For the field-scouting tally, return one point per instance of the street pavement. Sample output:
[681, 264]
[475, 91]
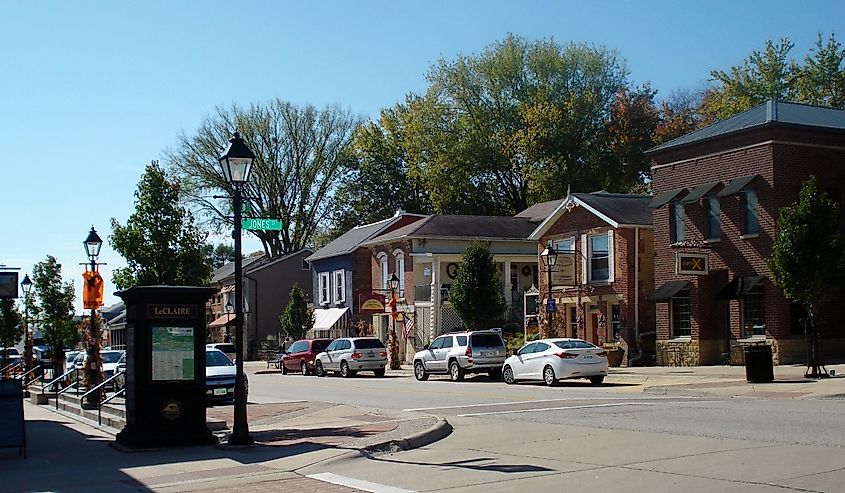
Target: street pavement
[655, 429]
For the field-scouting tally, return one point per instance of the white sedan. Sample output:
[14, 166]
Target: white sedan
[551, 360]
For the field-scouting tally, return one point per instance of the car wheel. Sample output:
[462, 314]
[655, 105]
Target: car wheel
[419, 371]
[456, 373]
[495, 374]
[507, 375]
[318, 369]
[597, 380]
[303, 368]
[284, 369]
[344, 369]
[379, 373]
[549, 377]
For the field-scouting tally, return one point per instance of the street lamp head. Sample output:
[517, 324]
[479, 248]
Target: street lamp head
[549, 255]
[229, 308]
[26, 285]
[236, 162]
[93, 244]
[393, 282]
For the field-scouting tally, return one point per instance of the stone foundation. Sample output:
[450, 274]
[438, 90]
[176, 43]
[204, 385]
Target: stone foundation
[678, 353]
[738, 349]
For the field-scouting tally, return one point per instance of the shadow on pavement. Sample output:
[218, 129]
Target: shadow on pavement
[472, 464]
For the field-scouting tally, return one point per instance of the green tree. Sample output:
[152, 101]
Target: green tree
[218, 256]
[55, 304]
[821, 80]
[11, 328]
[301, 157]
[160, 241]
[297, 319]
[477, 289]
[808, 254]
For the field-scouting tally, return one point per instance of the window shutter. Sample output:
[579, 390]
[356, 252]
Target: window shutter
[611, 260]
[585, 253]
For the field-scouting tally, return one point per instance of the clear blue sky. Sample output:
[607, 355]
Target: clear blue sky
[92, 91]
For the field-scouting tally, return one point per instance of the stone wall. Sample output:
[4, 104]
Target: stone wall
[678, 353]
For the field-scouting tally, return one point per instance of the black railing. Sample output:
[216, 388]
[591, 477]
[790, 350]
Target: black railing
[105, 401]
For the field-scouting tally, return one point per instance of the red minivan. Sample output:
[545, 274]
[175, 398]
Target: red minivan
[301, 355]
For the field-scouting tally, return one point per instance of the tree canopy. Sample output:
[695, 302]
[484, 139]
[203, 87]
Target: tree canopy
[477, 289]
[297, 319]
[55, 305]
[11, 330]
[160, 242]
[301, 157]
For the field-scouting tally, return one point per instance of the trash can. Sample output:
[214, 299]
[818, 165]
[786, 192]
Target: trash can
[758, 364]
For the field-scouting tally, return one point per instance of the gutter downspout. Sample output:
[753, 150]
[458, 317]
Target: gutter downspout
[637, 290]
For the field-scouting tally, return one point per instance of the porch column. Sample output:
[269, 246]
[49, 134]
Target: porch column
[506, 272]
[435, 298]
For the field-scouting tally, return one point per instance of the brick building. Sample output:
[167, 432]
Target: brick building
[604, 269]
[717, 193]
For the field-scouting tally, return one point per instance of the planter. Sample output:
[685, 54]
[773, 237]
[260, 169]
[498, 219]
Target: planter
[615, 356]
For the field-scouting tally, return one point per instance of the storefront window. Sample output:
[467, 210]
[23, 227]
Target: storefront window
[681, 320]
[753, 312]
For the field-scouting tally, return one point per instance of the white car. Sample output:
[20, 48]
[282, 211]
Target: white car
[220, 375]
[110, 360]
[349, 355]
[551, 360]
[226, 347]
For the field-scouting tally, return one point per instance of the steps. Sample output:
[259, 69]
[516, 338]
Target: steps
[112, 417]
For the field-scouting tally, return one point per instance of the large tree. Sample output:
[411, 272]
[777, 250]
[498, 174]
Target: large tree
[160, 242]
[11, 328]
[55, 304]
[297, 319]
[521, 122]
[301, 157]
[477, 289]
[808, 254]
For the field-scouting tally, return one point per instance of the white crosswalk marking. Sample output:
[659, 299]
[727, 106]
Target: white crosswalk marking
[563, 408]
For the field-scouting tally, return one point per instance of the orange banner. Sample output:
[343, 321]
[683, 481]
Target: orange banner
[92, 290]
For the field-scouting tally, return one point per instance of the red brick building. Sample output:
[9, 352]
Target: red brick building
[604, 269]
[717, 193]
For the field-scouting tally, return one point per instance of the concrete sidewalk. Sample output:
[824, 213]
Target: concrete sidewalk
[68, 456]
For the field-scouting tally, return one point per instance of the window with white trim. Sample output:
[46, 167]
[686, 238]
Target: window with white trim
[382, 263]
[399, 265]
[599, 258]
[339, 286]
[325, 295]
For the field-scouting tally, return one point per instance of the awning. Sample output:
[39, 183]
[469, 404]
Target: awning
[699, 191]
[666, 197]
[736, 185]
[326, 318]
[223, 320]
[738, 287]
[668, 290]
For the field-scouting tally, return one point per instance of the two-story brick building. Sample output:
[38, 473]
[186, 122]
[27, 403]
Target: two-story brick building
[604, 269]
[718, 192]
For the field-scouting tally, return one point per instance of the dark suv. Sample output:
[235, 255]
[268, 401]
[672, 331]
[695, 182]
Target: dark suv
[301, 354]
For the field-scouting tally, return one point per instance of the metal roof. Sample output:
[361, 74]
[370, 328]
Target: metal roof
[770, 112]
[666, 197]
[462, 226]
[352, 239]
[736, 185]
[699, 191]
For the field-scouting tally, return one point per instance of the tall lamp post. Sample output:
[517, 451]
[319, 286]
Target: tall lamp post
[549, 257]
[236, 164]
[393, 284]
[93, 243]
[26, 286]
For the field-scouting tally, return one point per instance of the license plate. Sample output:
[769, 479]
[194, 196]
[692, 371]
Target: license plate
[371, 354]
[488, 353]
[220, 392]
[588, 356]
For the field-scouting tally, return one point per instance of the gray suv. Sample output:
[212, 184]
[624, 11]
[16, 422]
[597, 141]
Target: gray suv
[459, 353]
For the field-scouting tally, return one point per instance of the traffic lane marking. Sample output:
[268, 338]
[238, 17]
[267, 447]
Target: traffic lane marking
[562, 408]
[562, 399]
[359, 484]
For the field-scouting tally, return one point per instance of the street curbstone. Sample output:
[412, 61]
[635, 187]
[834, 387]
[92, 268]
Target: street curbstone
[439, 431]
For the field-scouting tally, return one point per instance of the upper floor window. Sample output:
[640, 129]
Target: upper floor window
[599, 258]
[713, 227]
[676, 224]
[750, 213]
[565, 245]
[339, 285]
[382, 264]
[399, 266]
[325, 295]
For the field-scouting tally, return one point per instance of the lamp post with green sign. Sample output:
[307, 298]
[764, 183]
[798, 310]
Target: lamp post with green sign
[236, 164]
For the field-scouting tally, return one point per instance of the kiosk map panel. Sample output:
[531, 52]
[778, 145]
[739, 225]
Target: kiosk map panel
[173, 353]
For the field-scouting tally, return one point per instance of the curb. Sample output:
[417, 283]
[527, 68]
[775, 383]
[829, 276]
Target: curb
[439, 431]
[668, 390]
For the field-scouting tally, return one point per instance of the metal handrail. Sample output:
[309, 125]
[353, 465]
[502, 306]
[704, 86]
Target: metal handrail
[74, 385]
[100, 407]
[101, 385]
[22, 376]
[57, 379]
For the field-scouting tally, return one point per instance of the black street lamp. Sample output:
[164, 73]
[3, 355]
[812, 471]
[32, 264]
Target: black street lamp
[26, 286]
[549, 257]
[236, 164]
[93, 243]
[393, 341]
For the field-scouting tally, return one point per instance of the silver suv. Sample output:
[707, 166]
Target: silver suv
[459, 353]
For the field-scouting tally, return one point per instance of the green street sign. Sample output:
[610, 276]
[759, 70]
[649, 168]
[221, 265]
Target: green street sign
[261, 224]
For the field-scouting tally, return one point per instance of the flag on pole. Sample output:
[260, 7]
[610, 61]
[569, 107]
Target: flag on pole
[409, 324]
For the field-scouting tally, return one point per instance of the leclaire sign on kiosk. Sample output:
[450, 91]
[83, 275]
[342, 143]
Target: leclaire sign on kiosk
[165, 366]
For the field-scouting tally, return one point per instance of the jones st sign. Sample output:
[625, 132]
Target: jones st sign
[261, 224]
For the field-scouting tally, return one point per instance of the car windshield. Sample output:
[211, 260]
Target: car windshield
[486, 340]
[111, 357]
[574, 345]
[226, 348]
[319, 346]
[216, 358]
[11, 352]
[369, 344]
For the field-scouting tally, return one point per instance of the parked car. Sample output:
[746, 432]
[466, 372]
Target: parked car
[120, 381]
[551, 360]
[459, 353]
[12, 355]
[302, 354]
[349, 355]
[219, 376]
[226, 347]
[110, 359]
[70, 356]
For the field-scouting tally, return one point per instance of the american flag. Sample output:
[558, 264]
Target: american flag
[409, 324]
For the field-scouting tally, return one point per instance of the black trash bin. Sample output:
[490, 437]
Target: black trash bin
[758, 364]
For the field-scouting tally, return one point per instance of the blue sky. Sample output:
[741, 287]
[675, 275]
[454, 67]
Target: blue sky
[92, 91]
